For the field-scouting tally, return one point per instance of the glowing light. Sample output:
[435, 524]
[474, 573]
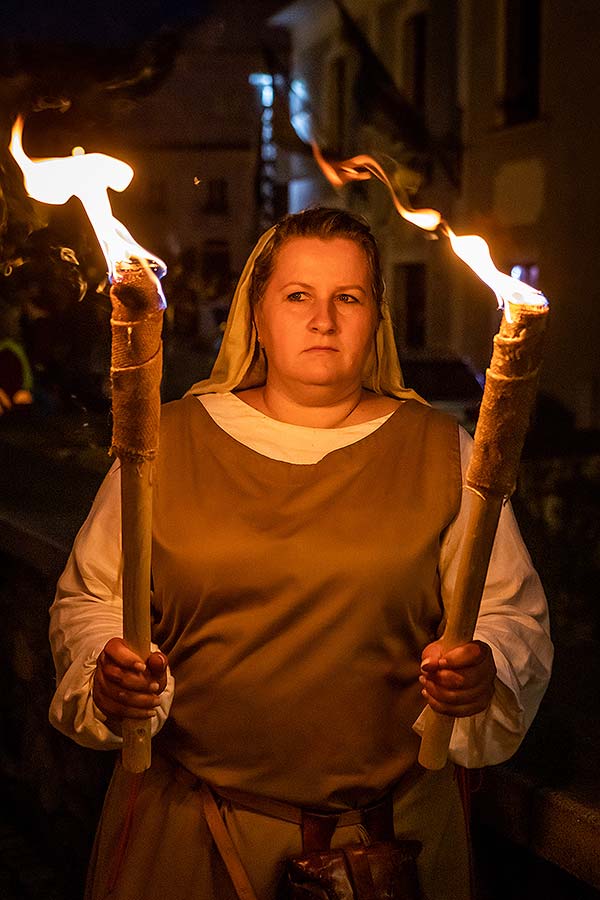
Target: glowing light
[300, 115]
[363, 167]
[88, 176]
[472, 248]
[475, 252]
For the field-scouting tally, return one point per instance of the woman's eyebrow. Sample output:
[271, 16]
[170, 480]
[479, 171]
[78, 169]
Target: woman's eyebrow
[341, 287]
[351, 287]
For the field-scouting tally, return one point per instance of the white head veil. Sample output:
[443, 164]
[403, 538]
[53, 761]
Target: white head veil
[241, 363]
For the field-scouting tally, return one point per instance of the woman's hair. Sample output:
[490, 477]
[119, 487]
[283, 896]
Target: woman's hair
[319, 222]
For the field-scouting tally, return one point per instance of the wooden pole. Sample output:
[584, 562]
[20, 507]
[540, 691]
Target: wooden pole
[136, 369]
[136, 518]
[511, 385]
[470, 579]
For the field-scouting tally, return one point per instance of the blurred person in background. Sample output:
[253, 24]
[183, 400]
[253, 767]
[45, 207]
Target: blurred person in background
[16, 377]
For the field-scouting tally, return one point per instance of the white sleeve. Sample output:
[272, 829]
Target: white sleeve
[513, 620]
[86, 613]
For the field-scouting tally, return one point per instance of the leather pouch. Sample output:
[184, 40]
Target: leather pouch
[384, 870]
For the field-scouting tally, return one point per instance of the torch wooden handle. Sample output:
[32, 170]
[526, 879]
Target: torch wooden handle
[136, 500]
[463, 610]
[136, 365]
[433, 753]
[510, 389]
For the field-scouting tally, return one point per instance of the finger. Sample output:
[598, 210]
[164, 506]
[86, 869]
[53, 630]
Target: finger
[456, 710]
[125, 679]
[429, 665]
[430, 657]
[135, 700]
[456, 679]
[457, 698]
[113, 681]
[157, 663]
[129, 704]
[158, 659]
[119, 674]
[472, 654]
[117, 652]
[116, 710]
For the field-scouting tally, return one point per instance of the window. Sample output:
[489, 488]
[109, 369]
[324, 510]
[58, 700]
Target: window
[528, 273]
[415, 59]
[521, 61]
[300, 115]
[155, 195]
[410, 284]
[388, 18]
[216, 198]
[266, 174]
[339, 89]
[216, 266]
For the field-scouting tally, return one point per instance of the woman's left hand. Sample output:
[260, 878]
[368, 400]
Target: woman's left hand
[459, 682]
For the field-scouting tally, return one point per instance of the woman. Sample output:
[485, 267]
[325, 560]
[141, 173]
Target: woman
[307, 516]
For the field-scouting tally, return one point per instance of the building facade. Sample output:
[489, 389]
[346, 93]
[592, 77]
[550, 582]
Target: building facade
[195, 146]
[500, 135]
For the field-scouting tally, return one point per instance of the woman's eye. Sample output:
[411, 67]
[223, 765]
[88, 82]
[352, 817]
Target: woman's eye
[347, 298]
[296, 295]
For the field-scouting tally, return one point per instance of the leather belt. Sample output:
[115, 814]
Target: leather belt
[317, 826]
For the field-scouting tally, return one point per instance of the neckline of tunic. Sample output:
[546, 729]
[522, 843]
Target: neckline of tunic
[283, 441]
[232, 451]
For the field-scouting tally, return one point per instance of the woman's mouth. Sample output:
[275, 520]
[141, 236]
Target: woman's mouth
[319, 349]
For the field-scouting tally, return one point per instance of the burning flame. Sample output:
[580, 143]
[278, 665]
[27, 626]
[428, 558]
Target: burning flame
[361, 168]
[471, 248]
[475, 252]
[87, 176]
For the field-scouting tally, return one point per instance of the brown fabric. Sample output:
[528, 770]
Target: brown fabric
[293, 602]
[308, 591]
[136, 364]
[170, 853]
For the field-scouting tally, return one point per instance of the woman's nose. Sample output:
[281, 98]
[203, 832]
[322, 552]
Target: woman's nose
[323, 318]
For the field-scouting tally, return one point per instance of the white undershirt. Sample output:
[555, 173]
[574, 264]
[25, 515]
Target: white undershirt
[298, 444]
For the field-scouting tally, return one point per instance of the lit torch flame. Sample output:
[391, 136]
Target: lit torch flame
[472, 249]
[88, 176]
[363, 167]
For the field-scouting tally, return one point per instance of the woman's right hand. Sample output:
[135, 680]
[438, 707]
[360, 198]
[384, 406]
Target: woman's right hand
[126, 686]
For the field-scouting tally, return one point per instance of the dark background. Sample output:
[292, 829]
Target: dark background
[525, 812]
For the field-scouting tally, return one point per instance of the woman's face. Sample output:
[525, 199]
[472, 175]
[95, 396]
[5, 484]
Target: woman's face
[317, 318]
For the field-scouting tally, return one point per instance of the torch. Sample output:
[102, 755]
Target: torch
[138, 305]
[508, 397]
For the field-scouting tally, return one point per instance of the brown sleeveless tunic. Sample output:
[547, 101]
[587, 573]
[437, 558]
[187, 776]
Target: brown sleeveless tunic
[293, 602]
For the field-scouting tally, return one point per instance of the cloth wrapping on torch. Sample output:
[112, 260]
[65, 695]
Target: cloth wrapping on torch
[510, 389]
[136, 363]
[138, 304]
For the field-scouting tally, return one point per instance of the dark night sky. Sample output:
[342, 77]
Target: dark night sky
[111, 23]
[67, 54]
